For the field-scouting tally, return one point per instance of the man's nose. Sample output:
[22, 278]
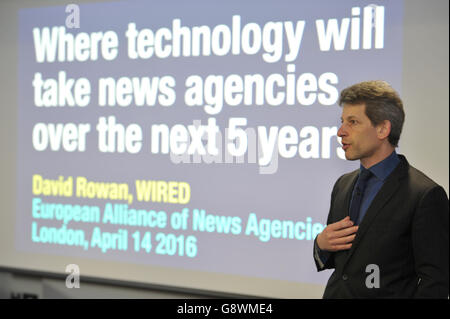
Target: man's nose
[341, 132]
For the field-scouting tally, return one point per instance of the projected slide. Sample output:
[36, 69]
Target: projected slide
[192, 135]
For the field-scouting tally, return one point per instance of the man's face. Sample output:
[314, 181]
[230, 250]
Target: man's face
[359, 136]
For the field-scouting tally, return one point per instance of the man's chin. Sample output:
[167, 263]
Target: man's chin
[351, 157]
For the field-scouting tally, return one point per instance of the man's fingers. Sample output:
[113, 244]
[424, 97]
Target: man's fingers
[345, 232]
[337, 236]
[342, 240]
[343, 223]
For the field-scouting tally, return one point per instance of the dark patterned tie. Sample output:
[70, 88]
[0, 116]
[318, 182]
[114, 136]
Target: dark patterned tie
[358, 194]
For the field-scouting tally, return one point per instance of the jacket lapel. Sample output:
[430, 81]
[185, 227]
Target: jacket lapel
[346, 192]
[388, 189]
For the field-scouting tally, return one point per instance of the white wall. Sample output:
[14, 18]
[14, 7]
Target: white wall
[425, 88]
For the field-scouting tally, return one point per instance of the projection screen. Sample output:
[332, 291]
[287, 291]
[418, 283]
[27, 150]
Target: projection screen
[191, 145]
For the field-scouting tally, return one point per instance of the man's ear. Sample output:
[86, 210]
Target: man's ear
[384, 129]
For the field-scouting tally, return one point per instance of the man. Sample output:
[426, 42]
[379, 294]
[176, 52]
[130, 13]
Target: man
[387, 228]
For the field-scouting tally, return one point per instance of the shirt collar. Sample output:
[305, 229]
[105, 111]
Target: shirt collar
[384, 168]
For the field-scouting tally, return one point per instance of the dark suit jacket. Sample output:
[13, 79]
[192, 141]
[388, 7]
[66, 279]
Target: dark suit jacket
[404, 233]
